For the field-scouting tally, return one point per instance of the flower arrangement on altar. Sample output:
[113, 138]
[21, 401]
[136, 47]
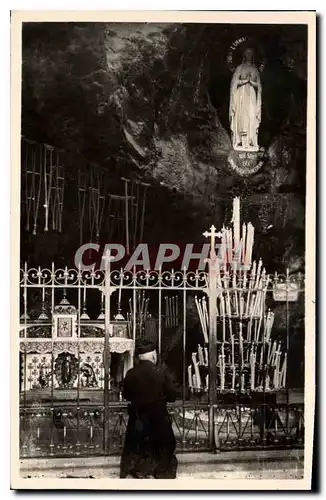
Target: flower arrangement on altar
[247, 359]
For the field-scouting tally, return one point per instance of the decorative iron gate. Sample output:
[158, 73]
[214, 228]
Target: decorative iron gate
[77, 339]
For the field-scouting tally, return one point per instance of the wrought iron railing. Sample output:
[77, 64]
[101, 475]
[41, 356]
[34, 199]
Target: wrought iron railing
[54, 425]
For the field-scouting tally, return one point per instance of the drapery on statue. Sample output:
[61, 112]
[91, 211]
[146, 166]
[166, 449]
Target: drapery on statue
[245, 104]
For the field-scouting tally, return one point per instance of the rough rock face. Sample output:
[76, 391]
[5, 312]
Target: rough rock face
[152, 99]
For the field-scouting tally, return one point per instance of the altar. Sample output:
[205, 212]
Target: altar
[64, 353]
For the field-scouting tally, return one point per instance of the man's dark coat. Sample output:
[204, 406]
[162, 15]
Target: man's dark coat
[149, 443]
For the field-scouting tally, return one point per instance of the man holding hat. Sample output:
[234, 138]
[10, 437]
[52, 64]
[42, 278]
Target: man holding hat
[149, 443]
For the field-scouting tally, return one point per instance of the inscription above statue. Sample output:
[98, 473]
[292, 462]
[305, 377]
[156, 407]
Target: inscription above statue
[245, 104]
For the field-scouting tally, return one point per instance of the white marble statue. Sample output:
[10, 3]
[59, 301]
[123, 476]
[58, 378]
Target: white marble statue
[245, 104]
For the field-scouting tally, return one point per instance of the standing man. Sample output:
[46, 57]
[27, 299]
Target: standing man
[149, 448]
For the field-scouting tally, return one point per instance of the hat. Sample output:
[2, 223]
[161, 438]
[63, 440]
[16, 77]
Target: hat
[144, 345]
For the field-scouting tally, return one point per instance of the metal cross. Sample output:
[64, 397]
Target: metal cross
[213, 234]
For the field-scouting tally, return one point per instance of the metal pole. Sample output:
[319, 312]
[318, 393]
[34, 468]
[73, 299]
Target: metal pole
[212, 300]
[212, 297]
[106, 354]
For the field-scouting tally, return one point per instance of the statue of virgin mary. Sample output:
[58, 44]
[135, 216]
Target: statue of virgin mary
[245, 104]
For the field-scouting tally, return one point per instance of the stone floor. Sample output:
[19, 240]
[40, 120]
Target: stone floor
[269, 464]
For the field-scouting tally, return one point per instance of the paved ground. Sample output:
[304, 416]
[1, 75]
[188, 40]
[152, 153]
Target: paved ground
[274, 464]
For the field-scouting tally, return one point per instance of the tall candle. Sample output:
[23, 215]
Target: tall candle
[236, 221]
[120, 288]
[189, 376]
[243, 247]
[233, 378]
[197, 376]
[200, 355]
[252, 374]
[206, 356]
[242, 382]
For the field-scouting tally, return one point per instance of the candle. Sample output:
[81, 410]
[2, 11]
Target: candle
[206, 380]
[261, 356]
[206, 356]
[243, 253]
[194, 382]
[198, 379]
[200, 355]
[241, 306]
[241, 343]
[252, 374]
[233, 378]
[223, 371]
[284, 370]
[120, 288]
[84, 298]
[236, 221]
[189, 376]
